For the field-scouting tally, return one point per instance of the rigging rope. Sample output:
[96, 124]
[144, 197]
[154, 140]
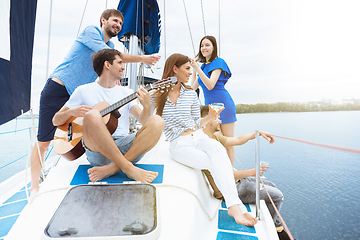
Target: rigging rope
[322, 145]
[307, 142]
[48, 51]
[192, 41]
[82, 17]
[219, 30]
[277, 211]
[203, 16]
[272, 202]
[164, 22]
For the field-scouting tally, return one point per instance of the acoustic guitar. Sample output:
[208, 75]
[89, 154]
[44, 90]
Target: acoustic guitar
[67, 139]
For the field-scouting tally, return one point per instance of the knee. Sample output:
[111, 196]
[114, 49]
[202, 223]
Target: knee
[277, 196]
[92, 117]
[42, 146]
[156, 123]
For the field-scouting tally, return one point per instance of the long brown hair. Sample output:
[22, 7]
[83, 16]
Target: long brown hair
[214, 54]
[177, 60]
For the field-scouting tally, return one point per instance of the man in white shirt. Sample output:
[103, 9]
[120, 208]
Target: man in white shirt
[118, 152]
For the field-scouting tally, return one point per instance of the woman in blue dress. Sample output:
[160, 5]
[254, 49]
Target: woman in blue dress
[213, 75]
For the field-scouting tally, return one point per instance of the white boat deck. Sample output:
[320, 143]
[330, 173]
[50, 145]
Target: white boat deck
[187, 208]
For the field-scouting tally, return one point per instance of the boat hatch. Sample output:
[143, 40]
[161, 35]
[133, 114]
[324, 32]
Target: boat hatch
[116, 211]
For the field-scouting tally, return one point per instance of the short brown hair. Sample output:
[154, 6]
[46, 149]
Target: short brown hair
[204, 111]
[102, 56]
[111, 12]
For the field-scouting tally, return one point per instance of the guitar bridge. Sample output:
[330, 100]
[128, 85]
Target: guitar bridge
[70, 132]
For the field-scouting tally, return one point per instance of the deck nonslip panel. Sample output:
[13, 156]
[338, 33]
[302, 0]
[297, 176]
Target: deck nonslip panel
[6, 224]
[227, 222]
[223, 205]
[234, 236]
[17, 196]
[12, 208]
[81, 175]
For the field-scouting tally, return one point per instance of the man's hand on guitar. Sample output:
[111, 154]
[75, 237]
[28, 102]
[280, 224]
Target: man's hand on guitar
[80, 111]
[144, 97]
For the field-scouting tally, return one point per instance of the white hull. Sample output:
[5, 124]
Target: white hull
[187, 209]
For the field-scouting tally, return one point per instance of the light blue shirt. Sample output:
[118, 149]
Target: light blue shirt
[185, 114]
[77, 68]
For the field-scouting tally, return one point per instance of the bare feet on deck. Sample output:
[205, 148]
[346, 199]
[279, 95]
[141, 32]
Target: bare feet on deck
[33, 192]
[141, 175]
[99, 173]
[251, 219]
[240, 218]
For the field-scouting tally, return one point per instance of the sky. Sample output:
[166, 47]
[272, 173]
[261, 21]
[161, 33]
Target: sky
[278, 51]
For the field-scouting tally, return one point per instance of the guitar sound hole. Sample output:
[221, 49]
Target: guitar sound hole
[70, 132]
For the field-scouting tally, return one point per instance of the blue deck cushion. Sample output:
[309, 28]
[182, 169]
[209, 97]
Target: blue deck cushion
[81, 175]
[223, 205]
[234, 236]
[227, 222]
[21, 195]
[12, 208]
[6, 224]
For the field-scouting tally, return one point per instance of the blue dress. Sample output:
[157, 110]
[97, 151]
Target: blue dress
[219, 93]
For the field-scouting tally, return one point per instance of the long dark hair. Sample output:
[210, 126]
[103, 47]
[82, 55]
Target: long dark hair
[214, 54]
[177, 60]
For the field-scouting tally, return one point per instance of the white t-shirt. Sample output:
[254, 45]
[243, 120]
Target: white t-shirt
[92, 93]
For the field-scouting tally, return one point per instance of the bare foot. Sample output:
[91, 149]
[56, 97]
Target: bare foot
[239, 217]
[251, 219]
[99, 173]
[33, 192]
[141, 175]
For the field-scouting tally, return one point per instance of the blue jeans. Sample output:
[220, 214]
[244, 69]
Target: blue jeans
[246, 188]
[122, 142]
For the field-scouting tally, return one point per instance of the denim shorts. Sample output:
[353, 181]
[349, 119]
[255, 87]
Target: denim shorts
[53, 97]
[122, 142]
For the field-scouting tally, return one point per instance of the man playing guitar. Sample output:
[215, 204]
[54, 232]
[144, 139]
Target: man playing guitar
[120, 151]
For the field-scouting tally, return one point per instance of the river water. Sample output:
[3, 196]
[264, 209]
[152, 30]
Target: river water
[320, 185]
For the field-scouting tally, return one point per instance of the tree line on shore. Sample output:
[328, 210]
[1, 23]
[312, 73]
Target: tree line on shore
[295, 107]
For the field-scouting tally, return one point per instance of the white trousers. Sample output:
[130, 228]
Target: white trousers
[198, 151]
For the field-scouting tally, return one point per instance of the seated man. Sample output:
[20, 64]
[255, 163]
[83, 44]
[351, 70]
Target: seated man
[246, 178]
[120, 151]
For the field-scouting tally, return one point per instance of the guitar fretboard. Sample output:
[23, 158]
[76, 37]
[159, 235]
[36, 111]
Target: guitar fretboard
[121, 103]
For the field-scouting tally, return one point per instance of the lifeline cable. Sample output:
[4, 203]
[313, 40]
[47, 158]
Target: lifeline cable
[322, 145]
[277, 212]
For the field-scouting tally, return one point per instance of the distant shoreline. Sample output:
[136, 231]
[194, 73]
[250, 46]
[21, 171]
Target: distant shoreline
[277, 107]
[296, 107]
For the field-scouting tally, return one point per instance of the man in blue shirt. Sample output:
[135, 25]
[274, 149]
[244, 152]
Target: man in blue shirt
[75, 70]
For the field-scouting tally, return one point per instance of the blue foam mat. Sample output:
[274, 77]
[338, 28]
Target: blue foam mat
[81, 175]
[227, 222]
[21, 195]
[234, 236]
[223, 205]
[12, 208]
[6, 224]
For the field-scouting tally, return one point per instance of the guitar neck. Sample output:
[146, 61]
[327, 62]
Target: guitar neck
[121, 103]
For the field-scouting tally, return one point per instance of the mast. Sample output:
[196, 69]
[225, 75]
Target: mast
[133, 67]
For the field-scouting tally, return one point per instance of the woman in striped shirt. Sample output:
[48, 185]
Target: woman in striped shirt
[180, 109]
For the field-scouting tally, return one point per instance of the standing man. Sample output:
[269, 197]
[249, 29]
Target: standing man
[112, 153]
[75, 70]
